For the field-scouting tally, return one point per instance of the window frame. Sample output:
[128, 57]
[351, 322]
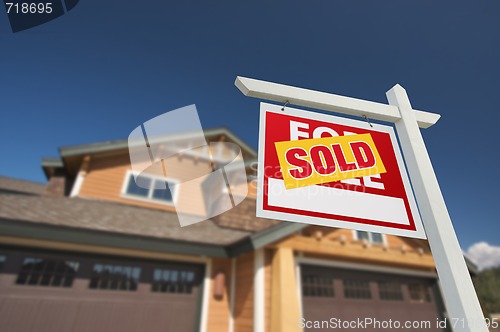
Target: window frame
[162, 286]
[3, 260]
[370, 237]
[423, 290]
[150, 199]
[45, 272]
[104, 281]
[318, 286]
[354, 289]
[392, 291]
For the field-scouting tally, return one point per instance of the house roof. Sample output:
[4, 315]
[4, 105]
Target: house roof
[18, 186]
[25, 212]
[123, 144]
[71, 156]
[111, 217]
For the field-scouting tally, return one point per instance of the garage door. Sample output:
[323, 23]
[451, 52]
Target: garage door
[49, 292]
[342, 296]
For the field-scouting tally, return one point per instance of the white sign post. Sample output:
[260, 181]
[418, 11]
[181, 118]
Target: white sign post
[464, 311]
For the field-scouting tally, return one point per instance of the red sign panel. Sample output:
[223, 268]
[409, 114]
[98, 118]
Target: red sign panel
[379, 202]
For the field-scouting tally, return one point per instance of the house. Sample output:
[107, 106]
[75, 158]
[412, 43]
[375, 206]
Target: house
[91, 251]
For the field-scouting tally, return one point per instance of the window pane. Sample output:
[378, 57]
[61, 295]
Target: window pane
[134, 189]
[21, 278]
[47, 272]
[173, 281]
[115, 277]
[318, 286]
[68, 281]
[419, 292]
[363, 235]
[390, 291]
[163, 194]
[57, 281]
[45, 280]
[377, 238]
[357, 289]
[3, 258]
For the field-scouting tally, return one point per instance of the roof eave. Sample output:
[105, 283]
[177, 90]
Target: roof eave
[84, 149]
[49, 164]
[98, 238]
[263, 238]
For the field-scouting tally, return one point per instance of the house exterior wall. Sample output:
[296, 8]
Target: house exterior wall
[325, 247]
[391, 242]
[106, 176]
[268, 258]
[219, 309]
[243, 301]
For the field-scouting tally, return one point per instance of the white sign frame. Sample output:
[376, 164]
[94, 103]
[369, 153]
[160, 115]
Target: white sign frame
[261, 189]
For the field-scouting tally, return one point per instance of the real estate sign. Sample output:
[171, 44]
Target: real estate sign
[331, 171]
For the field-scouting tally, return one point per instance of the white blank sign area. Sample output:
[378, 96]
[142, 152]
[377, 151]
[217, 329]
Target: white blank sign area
[336, 201]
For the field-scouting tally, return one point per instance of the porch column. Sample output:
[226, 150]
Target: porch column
[285, 310]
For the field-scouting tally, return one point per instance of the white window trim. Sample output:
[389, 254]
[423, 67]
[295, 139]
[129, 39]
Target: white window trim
[77, 185]
[150, 199]
[259, 291]
[232, 296]
[206, 296]
[384, 238]
[298, 277]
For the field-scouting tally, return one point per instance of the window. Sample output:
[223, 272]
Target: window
[419, 292]
[370, 237]
[319, 286]
[357, 289]
[115, 277]
[135, 190]
[131, 189]
[390, 291]
[2, 261]
[173, 281]
[47, 272]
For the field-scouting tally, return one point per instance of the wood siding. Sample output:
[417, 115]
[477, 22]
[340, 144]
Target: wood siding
[268, 259]
[354, 251]
[392, 242]
[219, 309]
[107, 174]
[285, 306]
[243, 306]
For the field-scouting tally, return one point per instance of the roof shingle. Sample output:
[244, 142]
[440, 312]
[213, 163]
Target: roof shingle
[19, 186]
[112, 217]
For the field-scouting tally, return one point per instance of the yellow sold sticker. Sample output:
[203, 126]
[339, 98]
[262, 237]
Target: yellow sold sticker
[321, 160]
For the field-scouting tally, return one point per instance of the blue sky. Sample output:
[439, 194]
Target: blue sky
[97, 72]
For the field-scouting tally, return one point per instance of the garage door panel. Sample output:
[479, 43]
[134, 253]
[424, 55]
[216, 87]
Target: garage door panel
[125, 317]
[359, 295]
[55, 315]
[181, 325]
[420, 313]
[158, 318]
[105, 294]
[92, 316]
[352, 310]
[14, 312]
[390, 312]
